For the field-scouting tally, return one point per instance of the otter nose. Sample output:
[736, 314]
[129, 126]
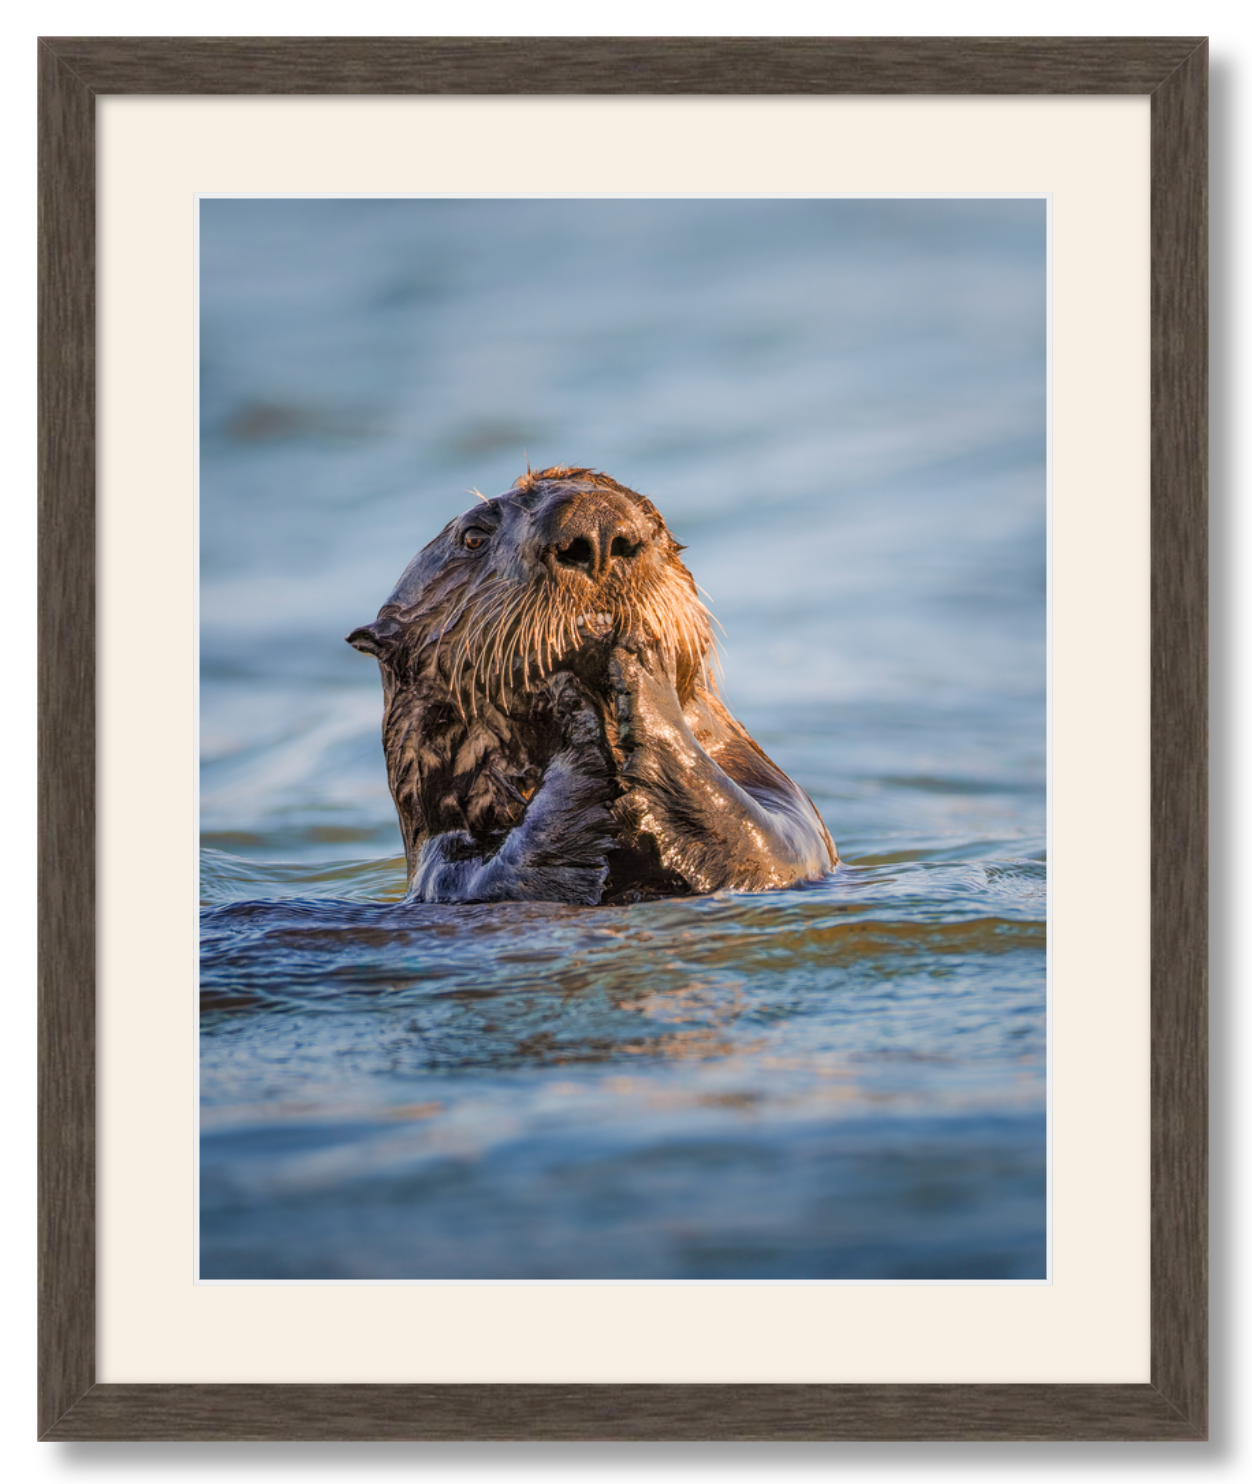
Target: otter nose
[591, 539]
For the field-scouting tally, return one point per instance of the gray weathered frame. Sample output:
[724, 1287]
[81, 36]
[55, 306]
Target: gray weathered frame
[72, 71]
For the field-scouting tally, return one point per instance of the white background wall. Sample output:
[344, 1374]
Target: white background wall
[1231, 33]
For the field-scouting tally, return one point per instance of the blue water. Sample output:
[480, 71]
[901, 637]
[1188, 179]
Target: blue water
[839, 406]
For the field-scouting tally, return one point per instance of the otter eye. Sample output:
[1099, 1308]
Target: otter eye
[474, 537]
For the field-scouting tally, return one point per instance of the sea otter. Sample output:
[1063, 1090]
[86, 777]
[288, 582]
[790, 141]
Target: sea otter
[551, 726]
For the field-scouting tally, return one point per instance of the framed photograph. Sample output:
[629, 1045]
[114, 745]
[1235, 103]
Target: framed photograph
[546, 1032]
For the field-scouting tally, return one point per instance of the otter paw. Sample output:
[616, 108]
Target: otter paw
[646, 704]
[627, 674]
[579, 723]
[565, 693]
[445, 868]
[634, 813]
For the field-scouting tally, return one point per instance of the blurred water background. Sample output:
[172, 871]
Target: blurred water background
[839, 406]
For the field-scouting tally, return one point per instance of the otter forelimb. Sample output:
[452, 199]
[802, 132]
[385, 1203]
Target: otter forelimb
[727, 821]
[558, 853]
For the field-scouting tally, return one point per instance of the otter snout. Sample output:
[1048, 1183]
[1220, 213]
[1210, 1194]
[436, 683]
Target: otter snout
[591, 531]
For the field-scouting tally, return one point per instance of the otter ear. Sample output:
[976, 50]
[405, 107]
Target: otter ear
[377, 638]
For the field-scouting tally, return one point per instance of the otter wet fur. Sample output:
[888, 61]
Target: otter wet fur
[551, 726]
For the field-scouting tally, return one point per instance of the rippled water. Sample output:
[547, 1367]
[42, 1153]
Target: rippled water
[839, 407]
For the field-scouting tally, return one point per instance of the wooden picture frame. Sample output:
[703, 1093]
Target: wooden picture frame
[1173, 71]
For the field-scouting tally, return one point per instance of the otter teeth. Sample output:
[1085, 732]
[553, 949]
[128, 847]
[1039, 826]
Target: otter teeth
[594, 620]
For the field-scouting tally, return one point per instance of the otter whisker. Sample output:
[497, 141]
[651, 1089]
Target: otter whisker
[543, 640]
[456, 660]
[497, 604]
[525, 632]
[496, 652]
[518, 644]
[470, 640]
[504, 645]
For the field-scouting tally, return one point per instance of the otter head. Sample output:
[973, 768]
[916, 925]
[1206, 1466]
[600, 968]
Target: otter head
[545, 577]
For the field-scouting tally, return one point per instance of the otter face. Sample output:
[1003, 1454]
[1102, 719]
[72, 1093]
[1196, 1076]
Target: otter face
[540, 579]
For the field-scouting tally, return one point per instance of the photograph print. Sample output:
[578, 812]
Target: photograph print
[623, 739]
